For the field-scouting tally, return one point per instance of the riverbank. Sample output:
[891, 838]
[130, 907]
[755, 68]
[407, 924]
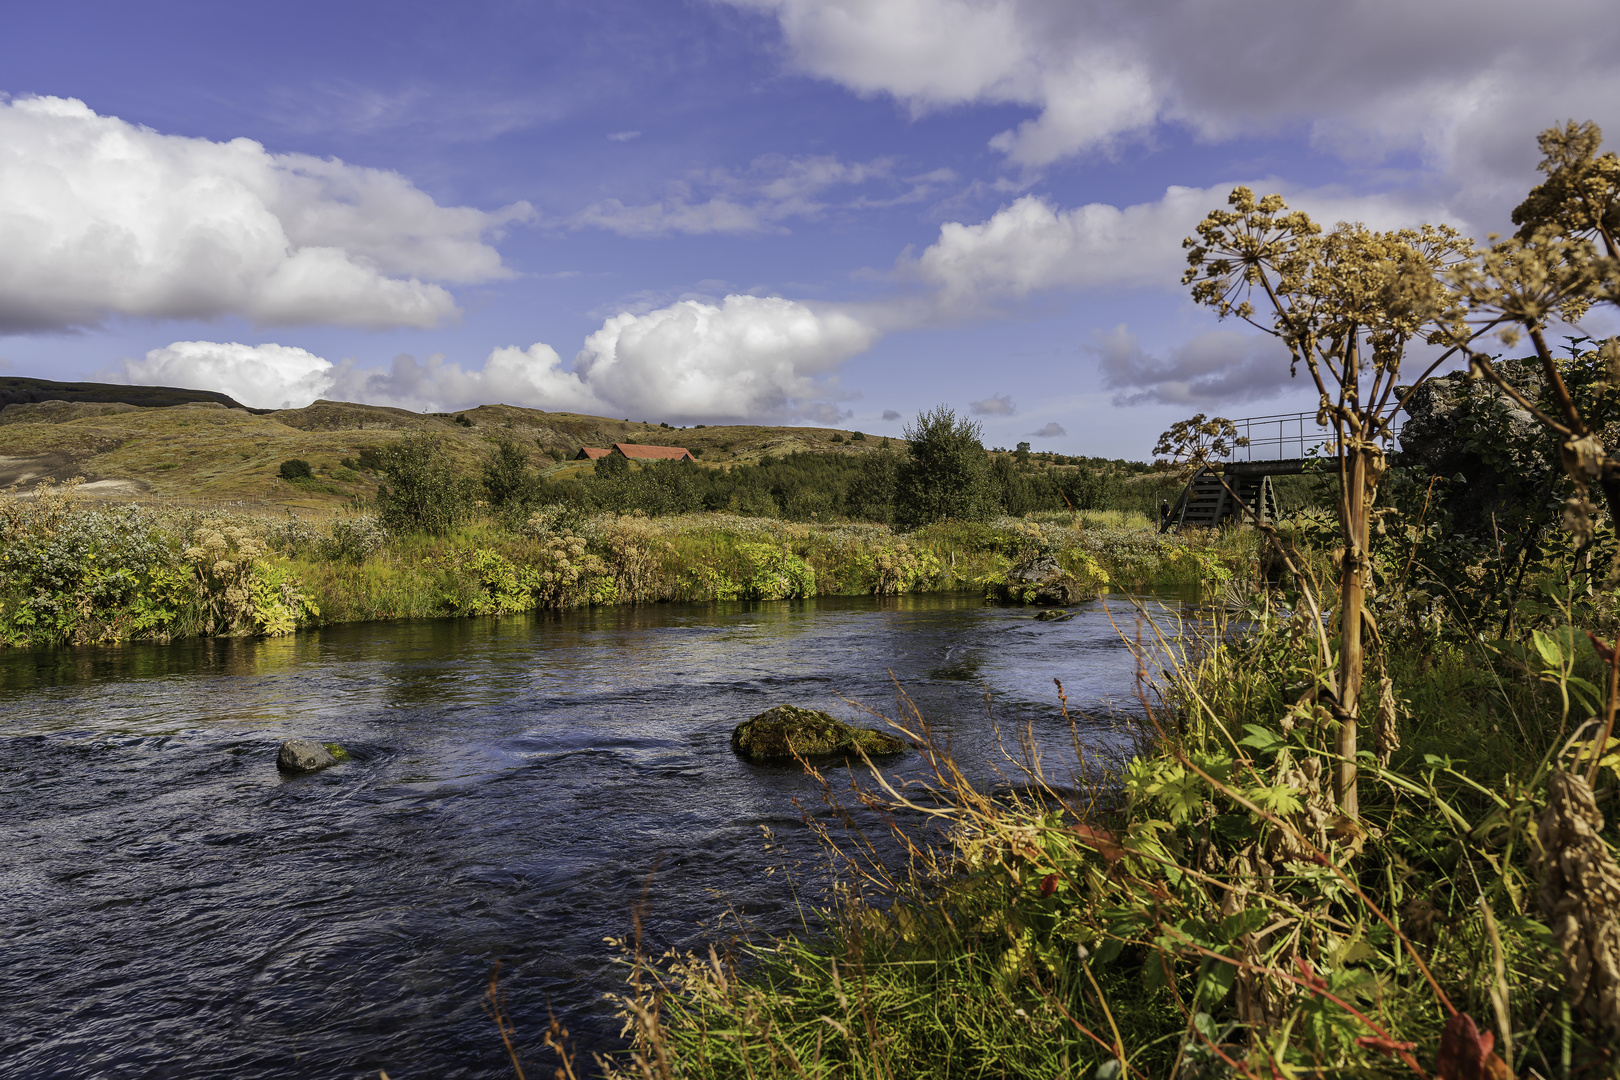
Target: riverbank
[75, 571]
[1202, 904]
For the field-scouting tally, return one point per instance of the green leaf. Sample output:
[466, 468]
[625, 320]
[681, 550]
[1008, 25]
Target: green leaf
[1548, 648]
[1215, 981]
[1262, 739]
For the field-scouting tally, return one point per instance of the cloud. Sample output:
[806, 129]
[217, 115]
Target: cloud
[1032, 247]
[890, 414]
[747, 357]
[532, 377]
[995, 405]
[259, 376]
[103, 218]
[623, 136]
[1215, 367]
[1095, 72]
[1054, 430]
[773, 189]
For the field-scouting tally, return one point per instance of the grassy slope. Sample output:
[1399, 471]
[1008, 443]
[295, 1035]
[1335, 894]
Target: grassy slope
[208, 451]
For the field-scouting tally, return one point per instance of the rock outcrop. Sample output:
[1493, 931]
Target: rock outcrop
[307, 756]
[787, 731]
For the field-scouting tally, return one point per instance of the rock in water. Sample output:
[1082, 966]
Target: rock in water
[303, 755]
[780, 733]
[1040, 581]
[1054, 615]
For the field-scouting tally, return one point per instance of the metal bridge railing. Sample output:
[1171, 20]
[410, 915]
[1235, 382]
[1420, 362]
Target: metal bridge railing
[1281, 436]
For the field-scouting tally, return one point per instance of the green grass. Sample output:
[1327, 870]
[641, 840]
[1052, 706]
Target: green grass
[1218, 920]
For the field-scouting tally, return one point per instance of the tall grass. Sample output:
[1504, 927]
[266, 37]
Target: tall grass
[1202, 908]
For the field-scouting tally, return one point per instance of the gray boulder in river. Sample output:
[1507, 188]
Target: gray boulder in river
[304, 756]
[778, 734]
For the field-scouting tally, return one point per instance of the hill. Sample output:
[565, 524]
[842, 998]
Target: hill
[18, 390]
[211, 448]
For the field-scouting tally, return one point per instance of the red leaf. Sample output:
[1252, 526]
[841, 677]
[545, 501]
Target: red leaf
[1465, 1054]
[1101, 841]
[1605, 652]
[1049, 884]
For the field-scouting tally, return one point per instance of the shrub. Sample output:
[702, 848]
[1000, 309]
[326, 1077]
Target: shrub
[508, 483]
[421, 491]
[296, 469]
[947, 476]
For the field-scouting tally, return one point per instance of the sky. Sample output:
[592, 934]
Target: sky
[834, 212]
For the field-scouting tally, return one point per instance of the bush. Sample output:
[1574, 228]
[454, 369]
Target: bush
[947, 476]
[508, 483]
[296, 469]
[421, 491]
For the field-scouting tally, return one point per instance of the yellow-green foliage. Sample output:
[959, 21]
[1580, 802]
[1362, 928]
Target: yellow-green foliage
[239, 590]
[240, 575]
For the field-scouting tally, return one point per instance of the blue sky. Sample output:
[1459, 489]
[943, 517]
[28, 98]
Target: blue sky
[770, 210]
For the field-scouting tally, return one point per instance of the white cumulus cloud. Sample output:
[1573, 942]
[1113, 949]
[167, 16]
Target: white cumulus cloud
[265, 376]
[1054, 430]
[1365, 79]
[104, 218]
[1031, 247]
[748, 357]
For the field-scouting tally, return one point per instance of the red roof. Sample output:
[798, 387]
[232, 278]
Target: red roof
[670, 453]
[590, 453]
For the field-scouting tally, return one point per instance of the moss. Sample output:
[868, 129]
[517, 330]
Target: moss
[337, 751]
[787, 731]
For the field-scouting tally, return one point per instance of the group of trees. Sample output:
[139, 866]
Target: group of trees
[945, 474]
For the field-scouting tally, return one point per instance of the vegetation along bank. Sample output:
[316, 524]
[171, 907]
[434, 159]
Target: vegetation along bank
[439, 538]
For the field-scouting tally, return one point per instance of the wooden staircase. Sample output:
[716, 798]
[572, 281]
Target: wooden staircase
[1218, 495]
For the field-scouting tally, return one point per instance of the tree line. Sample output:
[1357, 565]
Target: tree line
[944, 474]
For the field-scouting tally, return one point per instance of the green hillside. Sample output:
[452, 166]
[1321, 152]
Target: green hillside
[216, 449]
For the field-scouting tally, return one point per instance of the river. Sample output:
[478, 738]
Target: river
[170, 905]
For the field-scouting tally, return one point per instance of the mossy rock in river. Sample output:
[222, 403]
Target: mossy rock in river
[781, 733]
[307, 756]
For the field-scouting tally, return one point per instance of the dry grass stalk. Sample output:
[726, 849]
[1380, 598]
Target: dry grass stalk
[1580, 897]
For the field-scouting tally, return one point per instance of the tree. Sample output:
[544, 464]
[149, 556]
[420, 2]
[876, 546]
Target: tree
[947, 476]
[1190, 444]
[1021, 453]
[1348, 304]
[506, 476]
[295, 469]
[421, 491]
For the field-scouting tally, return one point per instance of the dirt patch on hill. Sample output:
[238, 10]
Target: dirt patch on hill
[31, 469]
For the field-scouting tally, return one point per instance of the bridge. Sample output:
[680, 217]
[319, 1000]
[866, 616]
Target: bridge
[1237, 487]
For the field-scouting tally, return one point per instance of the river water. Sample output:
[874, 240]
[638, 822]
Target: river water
[170, 905]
